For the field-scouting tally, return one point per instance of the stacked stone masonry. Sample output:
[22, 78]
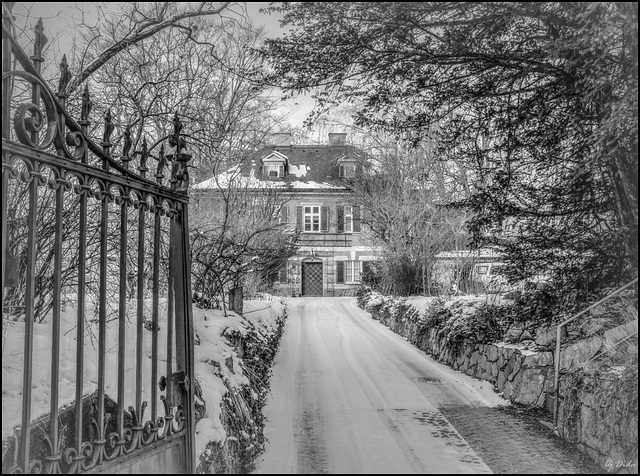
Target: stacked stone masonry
[524, 376]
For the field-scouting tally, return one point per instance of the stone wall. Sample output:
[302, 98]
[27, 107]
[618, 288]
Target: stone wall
[593, 412]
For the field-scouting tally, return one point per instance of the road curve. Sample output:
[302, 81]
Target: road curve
[350, 396]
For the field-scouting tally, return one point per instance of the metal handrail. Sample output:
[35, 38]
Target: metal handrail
[556, 387]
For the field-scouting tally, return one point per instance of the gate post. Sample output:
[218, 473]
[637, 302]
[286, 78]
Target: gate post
[236, 297]
[181, 258]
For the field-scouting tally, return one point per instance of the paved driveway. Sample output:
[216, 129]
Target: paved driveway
[350, 396]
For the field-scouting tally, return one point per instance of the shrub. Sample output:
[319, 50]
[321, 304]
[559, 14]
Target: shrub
[435, 316]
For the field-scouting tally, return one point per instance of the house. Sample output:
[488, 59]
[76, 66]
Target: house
[312, 180]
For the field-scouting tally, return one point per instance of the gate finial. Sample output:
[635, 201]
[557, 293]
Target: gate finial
[39, 41]
[162, 161]
[177, 128]
[108, 129]
[143, 157]
[87, 105]
[65, 76]
[179, 173]
[126, 147]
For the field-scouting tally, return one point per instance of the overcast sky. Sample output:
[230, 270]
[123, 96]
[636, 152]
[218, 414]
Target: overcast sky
[59, 19]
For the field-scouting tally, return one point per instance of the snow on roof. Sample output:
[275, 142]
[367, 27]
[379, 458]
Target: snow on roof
[307, 167]
[484, 252]
[233, 178]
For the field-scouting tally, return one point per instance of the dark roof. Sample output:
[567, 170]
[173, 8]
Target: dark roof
[321, 159]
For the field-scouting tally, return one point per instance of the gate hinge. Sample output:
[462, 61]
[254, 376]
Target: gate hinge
[185, 383]
[181, 383]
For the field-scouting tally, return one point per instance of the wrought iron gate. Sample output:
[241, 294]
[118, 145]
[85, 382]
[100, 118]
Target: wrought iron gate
[312, 279]
[96, 303]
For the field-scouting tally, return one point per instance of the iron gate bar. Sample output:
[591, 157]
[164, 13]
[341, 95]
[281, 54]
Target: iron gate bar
[55, 325]
[60, 186]
[167, 397]
[122, 317]
[102, 327]
[82, 261]
[25, 435]
[100, 424]
[189, 328]
[25, 439]
[140, 310]
[155, 310]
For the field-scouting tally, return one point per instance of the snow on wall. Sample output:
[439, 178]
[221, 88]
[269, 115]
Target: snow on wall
[214, 347]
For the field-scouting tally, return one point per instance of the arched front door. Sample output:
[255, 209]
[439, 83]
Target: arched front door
[312, 278]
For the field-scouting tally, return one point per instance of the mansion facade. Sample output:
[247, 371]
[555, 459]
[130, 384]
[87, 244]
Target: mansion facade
[334, 245]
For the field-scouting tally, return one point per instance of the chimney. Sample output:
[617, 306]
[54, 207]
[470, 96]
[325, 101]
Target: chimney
[281, 138]
[337, 138]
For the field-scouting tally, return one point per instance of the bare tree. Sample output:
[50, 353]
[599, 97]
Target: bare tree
[192, 68]
[140, 21]
[236, 232]
[404, 192]
[198, 71]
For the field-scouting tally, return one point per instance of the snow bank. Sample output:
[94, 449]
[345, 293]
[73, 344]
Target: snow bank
[13, 361]
[217, 365]
[217, 361]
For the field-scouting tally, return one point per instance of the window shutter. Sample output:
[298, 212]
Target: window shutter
[281, 171]
[282, 274]
[265, 172]
[299, 225]
[356, 218]
[324, 219]
[284, 214]
[341, 171]
[366, 267]
[340, 210]
[340, 272]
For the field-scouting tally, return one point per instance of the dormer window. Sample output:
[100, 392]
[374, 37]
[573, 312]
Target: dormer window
[347, 171]
[273, 166]
[346, 167]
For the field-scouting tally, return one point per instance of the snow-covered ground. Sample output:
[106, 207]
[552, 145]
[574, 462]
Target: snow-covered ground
[351, 396]
[210, 325]
[214, 347]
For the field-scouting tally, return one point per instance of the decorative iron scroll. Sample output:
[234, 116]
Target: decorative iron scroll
[44, 148]
[61, 130]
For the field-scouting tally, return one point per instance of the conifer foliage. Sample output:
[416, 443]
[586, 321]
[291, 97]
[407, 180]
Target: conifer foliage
[539, 100]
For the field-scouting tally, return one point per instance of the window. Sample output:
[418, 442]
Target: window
[348, 219]
[482, 269]
[348, 272]
[347, 170]
[274, 170]
[284, 215]
[352, 271]
[311, 218]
